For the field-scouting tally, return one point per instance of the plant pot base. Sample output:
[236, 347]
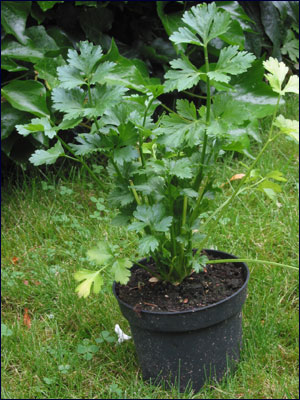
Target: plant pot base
[171, 359]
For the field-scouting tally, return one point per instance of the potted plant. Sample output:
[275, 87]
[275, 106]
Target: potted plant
[183, 301]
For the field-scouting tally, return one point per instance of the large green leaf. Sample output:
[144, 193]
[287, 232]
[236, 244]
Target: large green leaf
[10, 65]
[273, 26]
[237, 13]
[27, 96]
[40, 40]
[130, 73]
[258, 97]
[15, 50]
[46, 69]
[10, 117]
[171, 22]
[13, 18]
[39, 45]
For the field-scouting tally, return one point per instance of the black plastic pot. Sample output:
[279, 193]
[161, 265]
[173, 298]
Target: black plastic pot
[188, 347]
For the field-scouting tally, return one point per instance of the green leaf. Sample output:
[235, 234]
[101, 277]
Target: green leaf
[163, 225]
[101, 254]
[88, 143]
[131, 73]
[231, 61]
[46, 69]
[13, 18]
[104, 97]
[291, 46]
[273, 26]
[136, 226]
[148, 244]
[153, 216]
[266, 184]
[89, 56]
[277, 175]
[41, 41]
[121, 270]
[181, 168]
[40, 157]
[11, 66]
[13, 49]
[88, 277]
[70, 77]
[37, 125]
[204, 20]
[250, 90]
[184, 75]
[69, 101]
[10, 117]
[176, 130]
[99, 76]
[125, 154]
[27, 96]
[46, 5]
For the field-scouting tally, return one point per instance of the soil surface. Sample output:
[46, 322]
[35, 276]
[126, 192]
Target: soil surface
[215, 283]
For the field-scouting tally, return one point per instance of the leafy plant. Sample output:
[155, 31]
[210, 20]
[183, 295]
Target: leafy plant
[163, 170]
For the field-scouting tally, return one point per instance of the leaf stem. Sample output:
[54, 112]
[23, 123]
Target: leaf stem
[136, 196]
[199, 176]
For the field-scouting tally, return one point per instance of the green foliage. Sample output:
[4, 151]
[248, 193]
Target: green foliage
[274, 29]
[162, 167]
[37, 36]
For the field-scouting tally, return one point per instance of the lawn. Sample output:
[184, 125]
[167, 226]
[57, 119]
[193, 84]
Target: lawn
[55, 345]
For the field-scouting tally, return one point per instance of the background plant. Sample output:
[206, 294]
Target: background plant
[37, 35]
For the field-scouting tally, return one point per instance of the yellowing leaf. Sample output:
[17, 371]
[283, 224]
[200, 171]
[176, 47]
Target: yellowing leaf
[278, 71]
[293, 85]
[288, 126]
[88, 277]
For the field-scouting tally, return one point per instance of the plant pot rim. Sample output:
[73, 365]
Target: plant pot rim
[198, 309]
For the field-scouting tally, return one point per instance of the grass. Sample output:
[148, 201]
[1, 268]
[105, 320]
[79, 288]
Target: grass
[48, 223]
